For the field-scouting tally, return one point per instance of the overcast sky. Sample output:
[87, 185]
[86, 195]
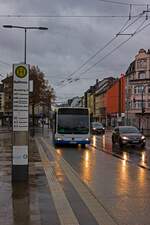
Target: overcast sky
[75, 33]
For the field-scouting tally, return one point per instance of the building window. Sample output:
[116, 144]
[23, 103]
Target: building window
[148, 103]
[141, 75]
[141, 64]
[138, 89]
[131, 77]
[137, 104]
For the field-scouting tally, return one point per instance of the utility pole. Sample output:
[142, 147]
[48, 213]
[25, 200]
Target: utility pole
[142, 106]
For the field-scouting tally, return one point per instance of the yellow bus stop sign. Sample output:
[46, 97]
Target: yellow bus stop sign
[21, 71]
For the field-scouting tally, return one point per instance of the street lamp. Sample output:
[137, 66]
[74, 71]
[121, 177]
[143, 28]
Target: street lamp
[25, 29]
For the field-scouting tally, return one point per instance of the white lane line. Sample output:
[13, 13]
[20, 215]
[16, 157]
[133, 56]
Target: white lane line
[96, 208]
[63, 208]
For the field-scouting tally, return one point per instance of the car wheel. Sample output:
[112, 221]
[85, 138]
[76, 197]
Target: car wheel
[120, 144]
[113, 140]
[56, 145]
[143, 145]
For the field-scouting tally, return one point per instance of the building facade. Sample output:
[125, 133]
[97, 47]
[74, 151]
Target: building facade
[1, 104]
[138, 91]
[115, 103]
[8, 95]
[100, 99]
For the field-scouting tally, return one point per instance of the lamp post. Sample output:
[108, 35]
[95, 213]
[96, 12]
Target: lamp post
[25, 28]
[20, 131]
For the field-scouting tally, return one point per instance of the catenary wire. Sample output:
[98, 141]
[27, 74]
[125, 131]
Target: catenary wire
[122, 3]
[123, 28]
[139, 16]
[96, 53]
[67, 16]
[113, 50]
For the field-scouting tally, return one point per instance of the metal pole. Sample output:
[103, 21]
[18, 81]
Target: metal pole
[25, 45]
[142, 107]
[141, 126]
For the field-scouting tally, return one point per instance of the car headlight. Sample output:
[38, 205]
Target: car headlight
[142, 137]
[87, 139]
[125, 138]
[58, 139]
[94, 128]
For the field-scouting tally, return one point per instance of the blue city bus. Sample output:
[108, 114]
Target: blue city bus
[71, 126]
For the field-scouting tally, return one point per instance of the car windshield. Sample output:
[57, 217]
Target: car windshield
[97, 125]
[128, 130]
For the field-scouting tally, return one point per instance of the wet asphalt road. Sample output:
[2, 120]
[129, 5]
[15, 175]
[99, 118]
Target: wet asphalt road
[119, 178]
[112, 175]
[134, 154]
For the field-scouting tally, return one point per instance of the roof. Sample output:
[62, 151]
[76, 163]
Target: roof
[104, 85]
[131, 68]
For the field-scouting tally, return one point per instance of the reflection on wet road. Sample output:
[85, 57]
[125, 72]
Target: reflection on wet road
[134, 154]
[86, 161]
[82, 160]
[113, 187]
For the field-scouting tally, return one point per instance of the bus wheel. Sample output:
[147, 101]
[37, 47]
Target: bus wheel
[56, 145]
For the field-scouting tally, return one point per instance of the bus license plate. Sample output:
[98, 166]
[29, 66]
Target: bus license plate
[73, 142]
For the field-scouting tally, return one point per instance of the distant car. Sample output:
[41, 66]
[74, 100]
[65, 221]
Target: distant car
[97, 128]
[128, 135]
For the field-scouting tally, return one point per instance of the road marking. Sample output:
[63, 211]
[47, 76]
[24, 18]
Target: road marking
[96, 208]
[63, 208]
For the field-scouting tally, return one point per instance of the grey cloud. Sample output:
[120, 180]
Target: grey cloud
[69, 42]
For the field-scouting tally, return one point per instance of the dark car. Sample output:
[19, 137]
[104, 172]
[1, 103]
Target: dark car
[128, 135]
[97, 128]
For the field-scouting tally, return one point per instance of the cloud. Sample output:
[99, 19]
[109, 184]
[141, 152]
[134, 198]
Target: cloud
[69, 42]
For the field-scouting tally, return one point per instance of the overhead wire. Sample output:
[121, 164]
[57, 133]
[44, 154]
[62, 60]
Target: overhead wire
[122, 3]
[123, 28]
[139, 30]
[139, 16]
[113, 50]
[95, 54]
[66, 16]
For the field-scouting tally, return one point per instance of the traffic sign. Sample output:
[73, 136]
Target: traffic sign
[20, 122]
[21, 71]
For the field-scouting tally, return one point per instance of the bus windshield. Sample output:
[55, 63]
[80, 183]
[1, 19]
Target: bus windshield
[73, 124]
